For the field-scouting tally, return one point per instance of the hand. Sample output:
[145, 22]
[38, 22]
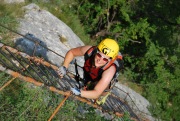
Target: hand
[76, 91]
[62, 71]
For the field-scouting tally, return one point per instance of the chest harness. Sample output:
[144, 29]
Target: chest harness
[93, 74]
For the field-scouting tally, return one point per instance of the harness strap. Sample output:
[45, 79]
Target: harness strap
[90, 52]
[77, 76]
[102, 99]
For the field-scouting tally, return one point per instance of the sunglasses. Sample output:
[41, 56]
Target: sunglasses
[101, 56]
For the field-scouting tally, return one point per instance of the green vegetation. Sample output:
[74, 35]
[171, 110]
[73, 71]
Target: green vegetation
[148, 34]
[23, 101]
[8, 15]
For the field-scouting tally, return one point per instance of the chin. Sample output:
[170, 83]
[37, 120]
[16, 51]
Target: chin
[98, 65]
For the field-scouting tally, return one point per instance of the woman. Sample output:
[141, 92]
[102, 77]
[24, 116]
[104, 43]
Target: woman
[98, 67]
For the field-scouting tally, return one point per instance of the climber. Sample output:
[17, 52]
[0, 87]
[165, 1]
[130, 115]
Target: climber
[101, 65]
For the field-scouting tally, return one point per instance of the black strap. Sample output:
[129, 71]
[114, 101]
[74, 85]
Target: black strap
[77, 76]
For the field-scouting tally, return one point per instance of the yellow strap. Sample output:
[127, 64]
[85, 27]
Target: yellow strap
[103, 99]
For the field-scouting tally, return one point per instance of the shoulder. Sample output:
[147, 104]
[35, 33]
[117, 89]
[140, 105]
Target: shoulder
[112, 68]
[85, 48]
[110, 71]
[108, 74]
[80, 51]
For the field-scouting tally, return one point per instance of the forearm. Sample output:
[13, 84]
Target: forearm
[91, 94]
[74, 52]
[68, 58]
[101, 85]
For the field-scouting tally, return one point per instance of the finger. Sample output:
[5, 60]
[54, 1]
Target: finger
[61, 76]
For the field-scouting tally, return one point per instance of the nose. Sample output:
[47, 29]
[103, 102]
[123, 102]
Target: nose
[100, 59]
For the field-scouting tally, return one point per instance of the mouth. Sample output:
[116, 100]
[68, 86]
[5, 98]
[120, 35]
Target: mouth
[98, 63]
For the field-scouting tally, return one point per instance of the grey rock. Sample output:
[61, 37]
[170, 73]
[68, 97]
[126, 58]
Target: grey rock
[137, 102]
[44, 28]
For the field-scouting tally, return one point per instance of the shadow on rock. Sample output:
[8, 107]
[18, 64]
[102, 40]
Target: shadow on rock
[32, 45]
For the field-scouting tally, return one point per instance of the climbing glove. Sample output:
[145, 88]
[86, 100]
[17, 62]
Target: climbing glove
[62, 71]
[76, 91]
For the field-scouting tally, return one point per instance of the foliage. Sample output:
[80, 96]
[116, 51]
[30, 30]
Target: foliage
[148, 35]
[8, 15]
[20, 102]
[24, 101]
[5, 77]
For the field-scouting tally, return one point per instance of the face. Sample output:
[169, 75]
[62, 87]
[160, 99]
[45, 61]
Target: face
[101, 59]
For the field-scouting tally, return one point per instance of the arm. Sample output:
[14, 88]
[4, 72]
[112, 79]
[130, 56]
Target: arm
[79, 51]
[101, 85]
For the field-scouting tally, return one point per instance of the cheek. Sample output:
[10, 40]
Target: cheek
[99, 62]
[96, 58]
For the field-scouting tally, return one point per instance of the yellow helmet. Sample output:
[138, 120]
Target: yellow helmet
[109, 47]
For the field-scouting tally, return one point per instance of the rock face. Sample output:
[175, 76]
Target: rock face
[137, 102]
[45, 29]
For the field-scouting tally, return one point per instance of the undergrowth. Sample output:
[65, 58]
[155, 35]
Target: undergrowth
[24, 101]
[8, 18]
